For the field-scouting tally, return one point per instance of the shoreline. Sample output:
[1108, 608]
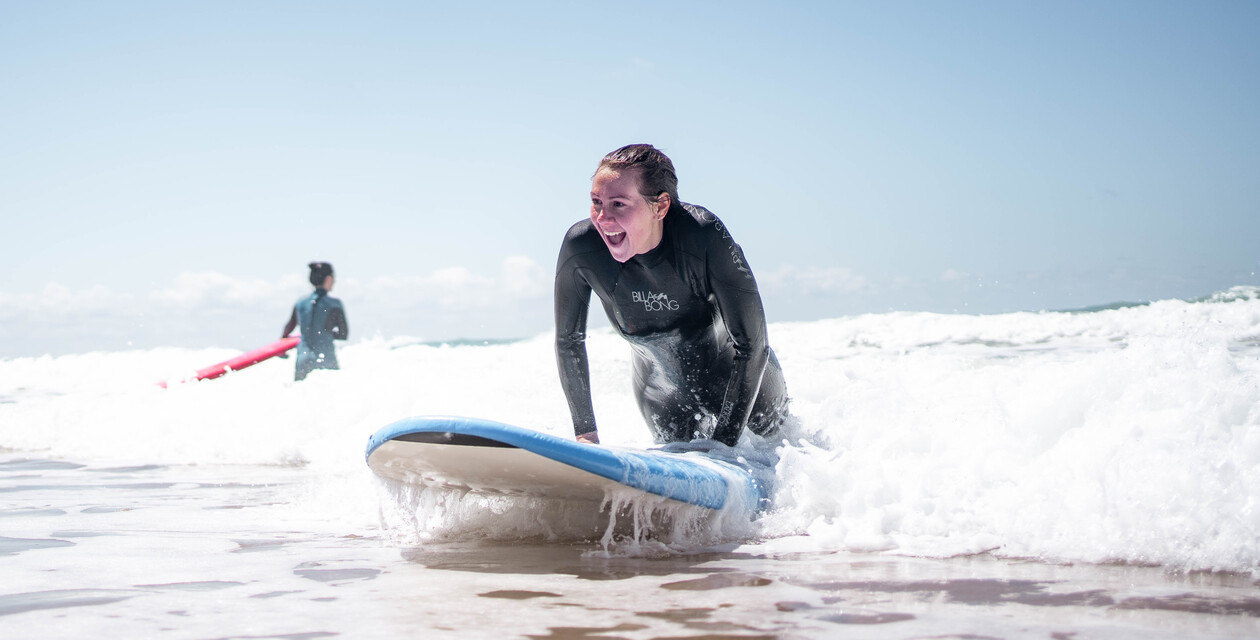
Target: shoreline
[151, 550]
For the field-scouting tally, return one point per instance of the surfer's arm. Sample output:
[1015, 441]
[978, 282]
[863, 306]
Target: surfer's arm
[336, 323]
[739, 303]
[291, 324]
[572, 302]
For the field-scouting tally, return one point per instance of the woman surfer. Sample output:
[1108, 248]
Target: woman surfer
[322, 319]
[677, 288]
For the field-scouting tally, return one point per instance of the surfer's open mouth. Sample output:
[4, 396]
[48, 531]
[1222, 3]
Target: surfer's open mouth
[614, 238]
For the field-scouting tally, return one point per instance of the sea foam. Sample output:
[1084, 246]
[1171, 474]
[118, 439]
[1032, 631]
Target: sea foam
[1127, 434]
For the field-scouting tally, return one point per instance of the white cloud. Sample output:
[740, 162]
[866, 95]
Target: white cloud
[456, 278]
[525, 278]
[58, 299]
[954, 275]
[210, 288]
[816, 280]
[208, 307]
[458, 288]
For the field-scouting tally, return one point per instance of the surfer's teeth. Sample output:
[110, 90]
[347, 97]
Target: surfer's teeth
[613, 234]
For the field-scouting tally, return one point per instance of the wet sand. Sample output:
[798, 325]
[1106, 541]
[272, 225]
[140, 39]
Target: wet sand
[230, 552]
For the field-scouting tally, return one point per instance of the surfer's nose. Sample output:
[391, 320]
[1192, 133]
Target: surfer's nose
[603, 221]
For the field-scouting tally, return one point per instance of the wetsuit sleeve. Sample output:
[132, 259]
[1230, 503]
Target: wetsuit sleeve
[336, 323]
[735, 293]
[291, 324]
[572, 301]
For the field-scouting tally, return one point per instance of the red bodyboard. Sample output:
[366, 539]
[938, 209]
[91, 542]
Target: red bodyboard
[246, 359]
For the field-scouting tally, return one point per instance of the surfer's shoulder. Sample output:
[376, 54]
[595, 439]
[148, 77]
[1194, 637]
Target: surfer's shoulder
[700, 215]
[698, 229]
[581, 240]
[707, 237]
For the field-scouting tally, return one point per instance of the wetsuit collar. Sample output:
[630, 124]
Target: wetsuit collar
[657, 254]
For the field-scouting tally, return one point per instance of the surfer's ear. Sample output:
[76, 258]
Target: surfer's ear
[662, 205]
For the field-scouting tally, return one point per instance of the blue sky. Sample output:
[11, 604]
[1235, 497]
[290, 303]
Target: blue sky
[168, 169]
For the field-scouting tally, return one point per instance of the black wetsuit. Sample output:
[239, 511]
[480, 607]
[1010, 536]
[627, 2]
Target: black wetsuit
[323, 319]
[693, 316]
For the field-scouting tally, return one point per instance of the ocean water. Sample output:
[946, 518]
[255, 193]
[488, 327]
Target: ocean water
[1092, 472]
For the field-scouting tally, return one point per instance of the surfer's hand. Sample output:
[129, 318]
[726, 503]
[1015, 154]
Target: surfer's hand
[589, 438]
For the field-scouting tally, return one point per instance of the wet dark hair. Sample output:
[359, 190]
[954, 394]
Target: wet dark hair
[655, 168]
[319, 271]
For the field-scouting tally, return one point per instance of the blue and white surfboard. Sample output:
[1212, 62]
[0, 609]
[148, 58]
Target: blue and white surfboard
[483, 456]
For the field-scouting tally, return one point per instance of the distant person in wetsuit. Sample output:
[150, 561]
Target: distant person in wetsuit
[677, 287]
[322, 319]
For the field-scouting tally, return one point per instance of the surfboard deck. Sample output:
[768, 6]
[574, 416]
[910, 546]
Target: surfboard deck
[247, 359]
[483, 456]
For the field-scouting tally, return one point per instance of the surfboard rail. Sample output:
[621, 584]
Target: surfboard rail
[247, 359]
[692, 478]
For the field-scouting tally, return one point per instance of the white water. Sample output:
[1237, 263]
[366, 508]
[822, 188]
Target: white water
[1127, 435]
